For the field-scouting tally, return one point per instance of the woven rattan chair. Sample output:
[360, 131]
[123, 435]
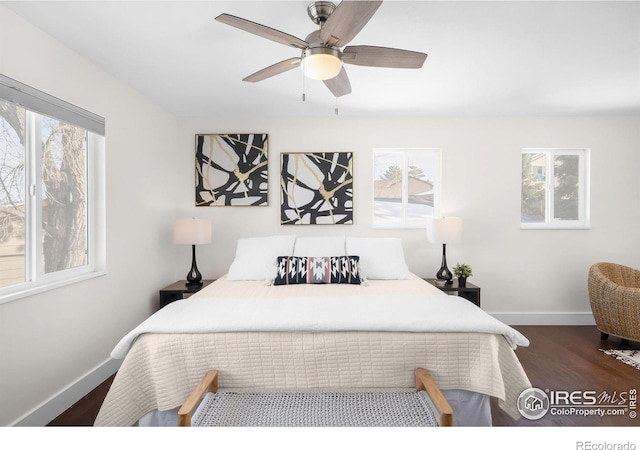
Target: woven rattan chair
[614, 293]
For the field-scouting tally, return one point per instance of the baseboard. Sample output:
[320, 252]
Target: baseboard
[55, 406]
[561, 318]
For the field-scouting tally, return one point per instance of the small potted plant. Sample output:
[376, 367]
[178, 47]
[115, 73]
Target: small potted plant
[462, 271]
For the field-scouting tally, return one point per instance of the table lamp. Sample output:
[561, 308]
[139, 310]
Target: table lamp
[444, 230]
[192, 232]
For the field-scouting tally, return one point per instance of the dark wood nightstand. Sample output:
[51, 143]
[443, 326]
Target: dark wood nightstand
[471, 292]
[178, 290]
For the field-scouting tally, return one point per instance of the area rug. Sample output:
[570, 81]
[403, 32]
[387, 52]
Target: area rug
[630, 357]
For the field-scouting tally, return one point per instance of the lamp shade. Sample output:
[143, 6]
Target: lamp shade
[192, 231]
[444, 230]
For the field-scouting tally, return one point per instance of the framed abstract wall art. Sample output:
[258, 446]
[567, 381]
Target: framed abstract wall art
[316, 188]
[231, 169]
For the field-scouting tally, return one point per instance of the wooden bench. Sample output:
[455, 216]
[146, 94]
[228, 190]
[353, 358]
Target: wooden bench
[435, 405]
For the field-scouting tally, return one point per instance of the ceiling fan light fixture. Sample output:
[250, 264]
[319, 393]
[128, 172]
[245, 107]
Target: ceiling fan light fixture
[321, 63]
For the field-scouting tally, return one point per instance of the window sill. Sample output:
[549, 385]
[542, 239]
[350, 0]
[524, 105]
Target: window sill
[554, 227]
[49, 285]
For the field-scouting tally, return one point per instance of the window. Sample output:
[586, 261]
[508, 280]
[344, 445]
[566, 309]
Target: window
[406, 185]
[555, 188]
[50, 213]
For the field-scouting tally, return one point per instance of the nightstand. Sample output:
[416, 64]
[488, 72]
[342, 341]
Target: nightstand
[178, 290]
[471, 292]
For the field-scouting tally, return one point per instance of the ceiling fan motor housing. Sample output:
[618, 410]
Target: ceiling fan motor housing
[319, 12]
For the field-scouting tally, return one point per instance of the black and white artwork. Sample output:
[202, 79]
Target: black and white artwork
[231, 169]
[316, 188]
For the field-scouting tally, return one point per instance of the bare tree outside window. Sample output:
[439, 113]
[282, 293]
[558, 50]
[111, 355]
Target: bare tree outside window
[62, 148]
[64, 225]
[12, 194]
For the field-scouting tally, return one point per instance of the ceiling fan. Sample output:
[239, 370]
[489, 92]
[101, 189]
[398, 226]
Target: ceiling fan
[322, 50]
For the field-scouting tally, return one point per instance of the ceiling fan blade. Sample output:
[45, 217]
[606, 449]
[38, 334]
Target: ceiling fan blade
[340, 84]
[272, 70]
[366, 55]
[262, 31]
[346, 21]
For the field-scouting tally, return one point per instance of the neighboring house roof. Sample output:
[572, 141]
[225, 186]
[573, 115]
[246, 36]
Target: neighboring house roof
[419, 190]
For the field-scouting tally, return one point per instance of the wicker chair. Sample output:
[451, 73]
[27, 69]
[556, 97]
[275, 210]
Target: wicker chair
[614, 293]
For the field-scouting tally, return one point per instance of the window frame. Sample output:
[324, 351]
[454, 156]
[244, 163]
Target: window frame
[38, 104]
[406, 223]
[584, 167]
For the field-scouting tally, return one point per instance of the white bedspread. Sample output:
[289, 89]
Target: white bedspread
[207, 313]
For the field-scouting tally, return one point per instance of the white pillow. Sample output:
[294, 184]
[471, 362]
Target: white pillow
[380, 258]
[256, 257]
[320, 246]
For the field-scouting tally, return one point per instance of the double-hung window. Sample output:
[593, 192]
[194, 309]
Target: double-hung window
[555, 188]
[51, 195]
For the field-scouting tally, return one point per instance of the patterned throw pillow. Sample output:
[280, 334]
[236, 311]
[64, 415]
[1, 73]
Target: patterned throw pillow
[317, 269]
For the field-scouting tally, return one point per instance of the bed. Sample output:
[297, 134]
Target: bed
[261, 336]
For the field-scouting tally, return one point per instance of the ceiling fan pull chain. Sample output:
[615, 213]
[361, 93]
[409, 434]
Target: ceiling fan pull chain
[304, 97]
[336, 109]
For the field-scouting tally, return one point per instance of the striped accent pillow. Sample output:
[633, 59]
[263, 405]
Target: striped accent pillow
[317, 270]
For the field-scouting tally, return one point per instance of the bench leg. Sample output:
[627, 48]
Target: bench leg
[424, 382]
[208, 384]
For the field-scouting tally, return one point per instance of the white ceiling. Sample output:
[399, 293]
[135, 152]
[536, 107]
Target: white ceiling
[485, 58]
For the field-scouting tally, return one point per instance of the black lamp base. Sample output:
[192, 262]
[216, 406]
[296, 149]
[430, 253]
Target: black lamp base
[194, 277]
[444, 273]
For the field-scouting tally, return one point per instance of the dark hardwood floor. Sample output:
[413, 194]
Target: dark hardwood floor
[568, 359]
[84, 412]
[559, 358]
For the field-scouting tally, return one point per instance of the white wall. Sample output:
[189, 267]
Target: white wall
[51, 340]
[526, 276]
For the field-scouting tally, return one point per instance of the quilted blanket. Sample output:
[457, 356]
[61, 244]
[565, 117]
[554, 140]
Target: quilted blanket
[357, 339]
